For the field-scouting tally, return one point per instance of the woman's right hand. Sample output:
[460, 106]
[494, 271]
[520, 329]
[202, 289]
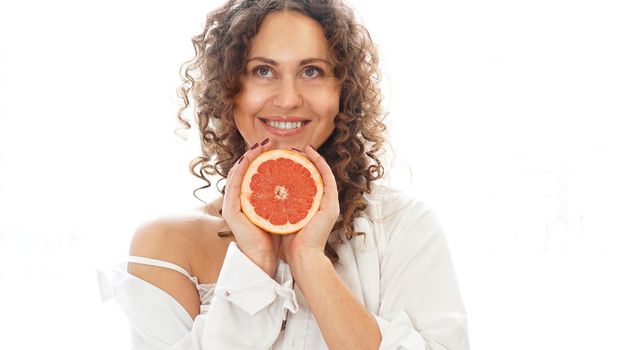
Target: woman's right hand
[258, 245]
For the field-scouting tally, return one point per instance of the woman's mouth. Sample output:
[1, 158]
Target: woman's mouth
[284, 128]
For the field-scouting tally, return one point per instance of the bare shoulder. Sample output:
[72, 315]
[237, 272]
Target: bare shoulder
[168, 237]
[186, 239]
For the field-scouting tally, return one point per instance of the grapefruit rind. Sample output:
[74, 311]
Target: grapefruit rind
[246, 192]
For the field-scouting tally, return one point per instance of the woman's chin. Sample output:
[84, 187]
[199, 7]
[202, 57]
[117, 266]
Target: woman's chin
[280, 144]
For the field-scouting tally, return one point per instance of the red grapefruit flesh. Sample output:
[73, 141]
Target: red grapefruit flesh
[281, 191]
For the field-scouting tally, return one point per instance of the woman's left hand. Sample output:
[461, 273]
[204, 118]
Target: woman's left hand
[311, 239]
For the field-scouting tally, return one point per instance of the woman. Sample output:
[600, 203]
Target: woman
[371, 269]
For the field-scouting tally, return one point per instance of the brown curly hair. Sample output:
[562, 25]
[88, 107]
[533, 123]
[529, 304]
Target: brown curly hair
[211, 79]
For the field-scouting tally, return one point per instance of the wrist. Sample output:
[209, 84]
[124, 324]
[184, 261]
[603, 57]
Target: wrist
[265, 262]
[305, 263]
[268, 266]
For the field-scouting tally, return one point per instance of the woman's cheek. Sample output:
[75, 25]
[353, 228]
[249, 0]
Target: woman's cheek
[331, 102]
[254, 99]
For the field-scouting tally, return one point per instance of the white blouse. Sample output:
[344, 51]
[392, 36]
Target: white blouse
[401, 271]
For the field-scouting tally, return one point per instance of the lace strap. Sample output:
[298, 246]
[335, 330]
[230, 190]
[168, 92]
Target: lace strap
[161, 263]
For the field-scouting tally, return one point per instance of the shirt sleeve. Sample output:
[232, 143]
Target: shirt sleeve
[246, 301]
[420, 305]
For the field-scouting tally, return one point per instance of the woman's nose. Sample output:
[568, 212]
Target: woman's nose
[288, 95]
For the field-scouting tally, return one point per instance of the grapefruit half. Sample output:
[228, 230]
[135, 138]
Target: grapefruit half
[281, 191]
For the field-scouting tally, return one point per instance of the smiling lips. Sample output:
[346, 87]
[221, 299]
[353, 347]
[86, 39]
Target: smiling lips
[284, 127]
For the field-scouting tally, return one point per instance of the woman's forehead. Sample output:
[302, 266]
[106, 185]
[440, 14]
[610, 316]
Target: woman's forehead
[289, 36]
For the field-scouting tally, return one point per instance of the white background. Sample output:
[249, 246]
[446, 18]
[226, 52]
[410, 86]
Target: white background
[503, 117]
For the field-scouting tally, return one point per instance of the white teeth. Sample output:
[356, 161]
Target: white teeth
[284, 125]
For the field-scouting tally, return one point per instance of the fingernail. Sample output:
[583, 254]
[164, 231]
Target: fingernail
[265, 141]
[240, 160]
[255, 146]
[296, 149]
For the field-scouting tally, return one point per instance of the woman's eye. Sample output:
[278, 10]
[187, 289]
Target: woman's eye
[263, 72]
[312, 72]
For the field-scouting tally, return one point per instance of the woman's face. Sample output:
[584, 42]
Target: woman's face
[289, 92]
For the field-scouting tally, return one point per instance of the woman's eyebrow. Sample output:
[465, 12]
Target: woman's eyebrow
[312, 60]
[275, 63]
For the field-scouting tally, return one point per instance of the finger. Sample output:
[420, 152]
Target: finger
[236, 174]
[331, 194]
[231, 205]
[253, 152]
[266, 145]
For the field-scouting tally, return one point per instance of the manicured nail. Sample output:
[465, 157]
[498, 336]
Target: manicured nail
[296, 149]
[255, 146]
[240, 160]
[265, 141]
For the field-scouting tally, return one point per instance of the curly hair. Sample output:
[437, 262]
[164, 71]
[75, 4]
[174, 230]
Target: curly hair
[212, 80]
